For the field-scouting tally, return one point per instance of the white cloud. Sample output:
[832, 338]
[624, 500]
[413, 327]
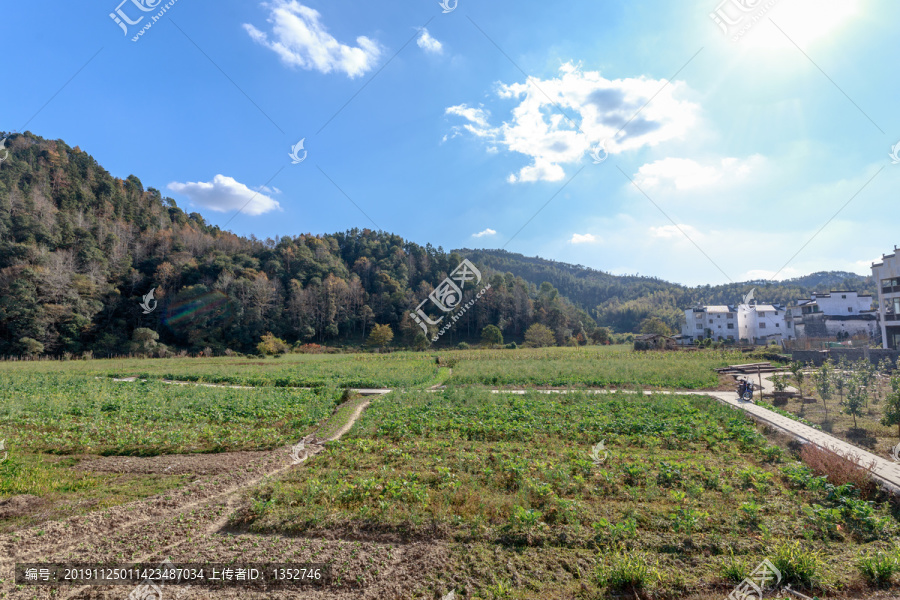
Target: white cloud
[688, 174]
[224, 194]
[487, 231]
[477, 116]
[300, 39]
[604, 110]
[672, 231]
[585, 238]
[428, 43]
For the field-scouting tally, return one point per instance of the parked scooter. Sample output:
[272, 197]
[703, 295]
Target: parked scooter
[745, 390]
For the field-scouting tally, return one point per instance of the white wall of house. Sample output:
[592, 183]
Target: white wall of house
[757, 324]
[851, 326]
[719, 321]
[887, 277]
[761, 323]
[843, 303]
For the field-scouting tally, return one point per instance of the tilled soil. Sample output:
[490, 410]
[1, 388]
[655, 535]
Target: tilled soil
[172, 464]
[188, 525]
[17, 506]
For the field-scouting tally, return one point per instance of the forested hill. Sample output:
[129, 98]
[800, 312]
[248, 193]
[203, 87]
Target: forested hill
[79, 249]
[623, 301]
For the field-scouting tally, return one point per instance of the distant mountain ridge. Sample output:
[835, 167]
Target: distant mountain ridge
[623, 301]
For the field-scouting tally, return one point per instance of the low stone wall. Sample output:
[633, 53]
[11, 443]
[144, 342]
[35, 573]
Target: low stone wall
[817, 357]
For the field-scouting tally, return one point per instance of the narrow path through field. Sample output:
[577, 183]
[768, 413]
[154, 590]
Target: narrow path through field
[188, 519]
[186, 525]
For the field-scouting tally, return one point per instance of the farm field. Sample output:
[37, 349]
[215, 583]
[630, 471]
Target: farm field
[490, 495]
[590, 366]
[290, 370]
[689, 497]
[833, 416]
[57, 425]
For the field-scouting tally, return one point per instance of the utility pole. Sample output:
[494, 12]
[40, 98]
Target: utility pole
[759, 376]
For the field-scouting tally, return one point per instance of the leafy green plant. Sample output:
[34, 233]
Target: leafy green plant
[877, 568]
[626, 571]
[798, 565]
[732, 569]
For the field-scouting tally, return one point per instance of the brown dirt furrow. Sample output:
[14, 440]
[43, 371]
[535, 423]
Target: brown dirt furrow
[175, 524]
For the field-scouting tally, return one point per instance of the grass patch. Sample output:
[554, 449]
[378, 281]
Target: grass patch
[37, 488]
[64, 414]
[686, 481]
[590, 366]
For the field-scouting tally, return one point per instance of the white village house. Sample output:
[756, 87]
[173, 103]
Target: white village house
[887, 277]
[838, 314]
[716, 322]
[762, 323]
[754, 323]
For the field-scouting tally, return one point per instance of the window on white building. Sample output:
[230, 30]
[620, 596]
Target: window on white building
[699, 325]
[762, 325]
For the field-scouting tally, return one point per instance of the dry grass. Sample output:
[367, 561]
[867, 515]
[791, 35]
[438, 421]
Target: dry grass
[839, 470]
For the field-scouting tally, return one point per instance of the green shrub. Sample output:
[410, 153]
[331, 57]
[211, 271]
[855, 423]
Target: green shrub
[511, 346]
[798, 565]
[877, 568]
[629, 571]
[462, 346]
[732, 569]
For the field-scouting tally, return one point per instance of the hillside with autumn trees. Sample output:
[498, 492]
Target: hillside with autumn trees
[79, 249]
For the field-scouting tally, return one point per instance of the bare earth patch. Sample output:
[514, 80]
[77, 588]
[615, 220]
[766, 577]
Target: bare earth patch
[172, 464]
[18, 506]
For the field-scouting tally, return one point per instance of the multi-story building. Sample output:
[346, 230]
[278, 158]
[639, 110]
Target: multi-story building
[839, 314]
[762, 323]
[887, 277]
[716, 322]
[753, 323]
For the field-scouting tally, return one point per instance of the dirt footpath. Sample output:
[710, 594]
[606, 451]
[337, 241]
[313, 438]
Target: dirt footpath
[188, 525]
[172, 464]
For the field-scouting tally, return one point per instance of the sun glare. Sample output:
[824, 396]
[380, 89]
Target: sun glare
[803, 21]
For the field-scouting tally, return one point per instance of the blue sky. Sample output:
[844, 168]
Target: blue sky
[722, 158]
